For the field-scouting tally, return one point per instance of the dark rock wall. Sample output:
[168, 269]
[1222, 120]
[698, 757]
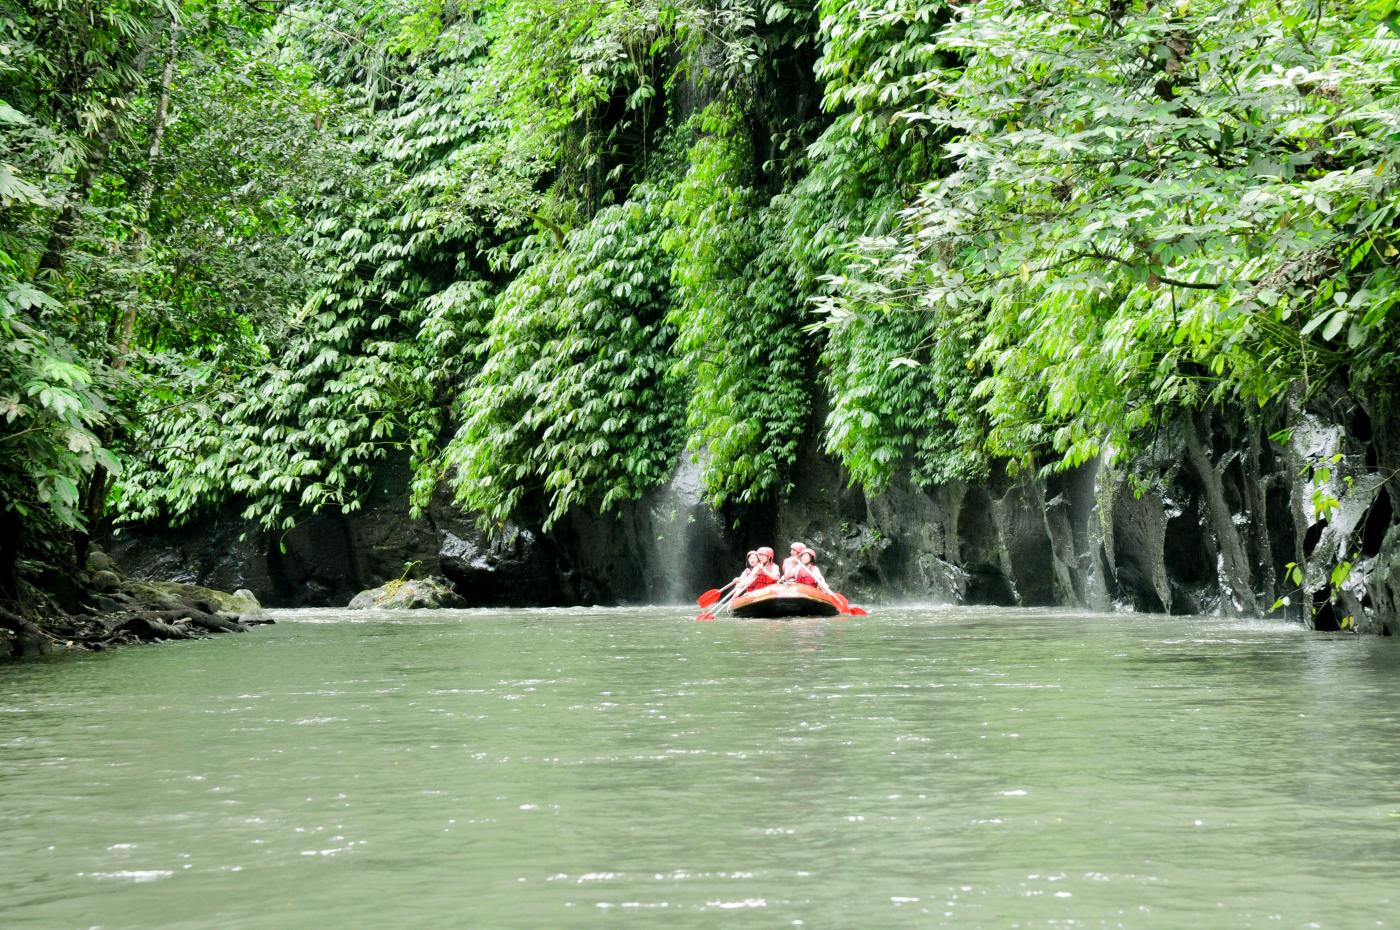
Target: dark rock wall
[329, 558]
[1208, 523]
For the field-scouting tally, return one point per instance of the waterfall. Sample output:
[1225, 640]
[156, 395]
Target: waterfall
[683, 528]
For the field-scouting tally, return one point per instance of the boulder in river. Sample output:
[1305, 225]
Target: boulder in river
[414, 594]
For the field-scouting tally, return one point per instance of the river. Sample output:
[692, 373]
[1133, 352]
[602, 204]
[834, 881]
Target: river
[631, 767]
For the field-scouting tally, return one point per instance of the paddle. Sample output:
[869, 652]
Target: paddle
[712, 595]
[710, 614]
[848, 608]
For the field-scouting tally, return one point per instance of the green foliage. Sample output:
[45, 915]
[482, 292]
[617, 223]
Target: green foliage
[48, 407]
[581, 86]
[1158, 206]
[901, 399]
[386, 327]
[896, 375]
[574, 399]
[461, 131]
[145, 213]
[50, 412]
[876, 64]
[739, 341]
[67, 76]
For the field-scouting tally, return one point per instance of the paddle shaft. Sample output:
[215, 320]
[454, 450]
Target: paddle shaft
[709, 613]
[725, 602]
[712, 595]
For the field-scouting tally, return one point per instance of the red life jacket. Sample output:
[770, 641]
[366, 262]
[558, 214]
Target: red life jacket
[762, 580]
[802, 576]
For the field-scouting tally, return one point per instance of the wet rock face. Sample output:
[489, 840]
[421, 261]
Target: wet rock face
[1383, 585]
[1208, 524]
[508, 571]
[1006, 543]
[980, 553]
[327, 560]
[1009, 542]
[1136, 551]
[221, 551]
[1033, 551]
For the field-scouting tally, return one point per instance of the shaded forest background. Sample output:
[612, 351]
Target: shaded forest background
[251, 251]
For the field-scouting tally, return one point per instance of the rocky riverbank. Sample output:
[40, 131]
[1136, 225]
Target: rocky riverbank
[105, 609]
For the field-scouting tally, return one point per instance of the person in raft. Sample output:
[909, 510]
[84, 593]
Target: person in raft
[765, 572]
[742, 582]
[793, 560]
[806, 571]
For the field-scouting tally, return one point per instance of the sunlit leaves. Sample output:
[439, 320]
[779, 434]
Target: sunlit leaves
[1152, 207]
[740, 344]
[49, 410]
[575, 401]
[356, 372]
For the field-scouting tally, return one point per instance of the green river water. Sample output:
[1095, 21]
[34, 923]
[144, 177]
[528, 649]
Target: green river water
[631, 767]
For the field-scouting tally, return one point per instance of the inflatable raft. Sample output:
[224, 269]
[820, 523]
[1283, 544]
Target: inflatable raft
[785, 600]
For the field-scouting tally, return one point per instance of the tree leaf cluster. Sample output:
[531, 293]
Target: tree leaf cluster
[1148, 208]
[575, 401]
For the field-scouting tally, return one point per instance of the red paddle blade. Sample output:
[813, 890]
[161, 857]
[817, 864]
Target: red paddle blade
[711, 596]
[858, 611]
[705, 616]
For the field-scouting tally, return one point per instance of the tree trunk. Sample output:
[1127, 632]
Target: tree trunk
[95, 495]
[70, 215]
[11, 532]
[141, 234]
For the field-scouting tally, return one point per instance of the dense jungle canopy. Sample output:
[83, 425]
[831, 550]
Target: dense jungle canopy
[250, 250]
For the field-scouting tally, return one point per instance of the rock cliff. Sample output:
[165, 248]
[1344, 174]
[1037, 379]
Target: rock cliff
[1214, 518]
